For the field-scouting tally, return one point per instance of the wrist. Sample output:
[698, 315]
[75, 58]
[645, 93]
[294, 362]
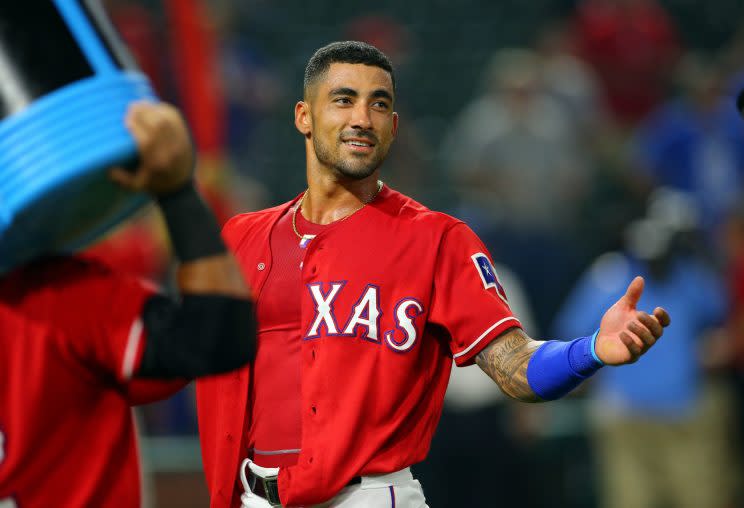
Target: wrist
[582, 357]
[557, 367]
[193, 229]
[594, 348]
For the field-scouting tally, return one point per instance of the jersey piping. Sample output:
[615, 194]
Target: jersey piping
[485, 334]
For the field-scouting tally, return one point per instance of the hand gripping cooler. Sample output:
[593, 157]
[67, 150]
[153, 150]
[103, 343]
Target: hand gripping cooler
[65, 83]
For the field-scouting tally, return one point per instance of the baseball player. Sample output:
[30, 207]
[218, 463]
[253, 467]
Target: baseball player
[78, 342]
[364, 298]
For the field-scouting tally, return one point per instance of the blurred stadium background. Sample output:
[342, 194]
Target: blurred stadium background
[581, 139]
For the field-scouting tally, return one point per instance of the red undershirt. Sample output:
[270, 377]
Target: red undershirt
[275, 433]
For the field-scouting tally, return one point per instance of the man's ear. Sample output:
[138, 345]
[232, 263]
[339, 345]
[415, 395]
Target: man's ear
[302, 118]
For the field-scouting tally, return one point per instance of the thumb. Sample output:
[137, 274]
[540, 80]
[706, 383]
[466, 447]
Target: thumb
[124, 178]
[634, 292]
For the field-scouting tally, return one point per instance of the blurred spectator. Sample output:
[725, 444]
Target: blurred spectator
[695, 142]
[251, 85]
[661, 425]
[570, 79]
[633, 45]
[515, 157]
[513, 139]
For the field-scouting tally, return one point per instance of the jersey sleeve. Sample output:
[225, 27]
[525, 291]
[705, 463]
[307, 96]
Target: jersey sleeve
[100, 311]
[469, 300]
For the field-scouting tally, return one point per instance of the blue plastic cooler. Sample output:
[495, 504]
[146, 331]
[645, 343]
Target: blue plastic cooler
[65, 83]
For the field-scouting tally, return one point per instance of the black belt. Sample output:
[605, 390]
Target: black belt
[268, 488]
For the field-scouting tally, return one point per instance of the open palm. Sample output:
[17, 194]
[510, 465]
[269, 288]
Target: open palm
[626, 333]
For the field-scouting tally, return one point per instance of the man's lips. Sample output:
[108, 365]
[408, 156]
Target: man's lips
[359, 144]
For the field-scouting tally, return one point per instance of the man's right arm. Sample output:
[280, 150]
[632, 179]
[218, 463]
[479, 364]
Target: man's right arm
[211, 327]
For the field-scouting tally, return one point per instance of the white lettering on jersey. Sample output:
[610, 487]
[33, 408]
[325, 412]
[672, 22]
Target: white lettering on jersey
[366, 313]
[405, 314]
[324, 308]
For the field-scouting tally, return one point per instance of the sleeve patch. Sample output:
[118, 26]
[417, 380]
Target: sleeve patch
[488, 275]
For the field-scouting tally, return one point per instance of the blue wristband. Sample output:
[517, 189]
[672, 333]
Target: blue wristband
[594, 352]
[558, 367]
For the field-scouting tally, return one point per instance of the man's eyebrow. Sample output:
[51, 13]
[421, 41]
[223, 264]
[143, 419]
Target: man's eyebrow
[384, 94]
[350, 92]
[344, 91]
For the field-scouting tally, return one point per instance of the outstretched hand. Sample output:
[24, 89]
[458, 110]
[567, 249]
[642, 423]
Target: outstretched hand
[626, 333]
[166, 154]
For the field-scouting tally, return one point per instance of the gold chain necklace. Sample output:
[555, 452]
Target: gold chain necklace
[302, 199]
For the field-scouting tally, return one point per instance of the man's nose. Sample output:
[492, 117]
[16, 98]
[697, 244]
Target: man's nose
[361, 118]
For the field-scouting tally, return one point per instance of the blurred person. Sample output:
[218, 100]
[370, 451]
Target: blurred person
[695, 142]
[82, 343]
[365, 298]
[515, 157]
[633, 46]
[661, 425]
[570, 79]
[510, 140]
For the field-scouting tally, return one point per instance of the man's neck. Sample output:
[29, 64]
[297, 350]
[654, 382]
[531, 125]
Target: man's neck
[328, 199]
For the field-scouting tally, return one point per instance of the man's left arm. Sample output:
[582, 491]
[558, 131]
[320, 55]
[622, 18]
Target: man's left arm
[534, 371]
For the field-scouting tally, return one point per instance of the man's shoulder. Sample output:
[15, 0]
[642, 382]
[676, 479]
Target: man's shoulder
[407, 209]
[255, 218]
[249, 224]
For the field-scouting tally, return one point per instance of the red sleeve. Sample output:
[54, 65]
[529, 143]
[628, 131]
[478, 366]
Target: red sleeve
[469, 301]
[99, 310]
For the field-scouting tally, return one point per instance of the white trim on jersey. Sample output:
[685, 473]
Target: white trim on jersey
[130, 353]
[484, 334]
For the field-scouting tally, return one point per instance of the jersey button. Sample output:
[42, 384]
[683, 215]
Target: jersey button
[314, 410]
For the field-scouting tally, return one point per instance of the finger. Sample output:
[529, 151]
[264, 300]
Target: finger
[142, 116]
[634, 292]
[663, 316]
[651, 323]
[121, 176]
[633, 346]
[642, 333]
[126, 179]
[142, 133]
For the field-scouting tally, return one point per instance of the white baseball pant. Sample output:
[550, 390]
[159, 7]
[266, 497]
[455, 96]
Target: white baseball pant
[394, 490]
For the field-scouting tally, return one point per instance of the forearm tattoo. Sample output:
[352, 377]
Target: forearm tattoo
[505, 361]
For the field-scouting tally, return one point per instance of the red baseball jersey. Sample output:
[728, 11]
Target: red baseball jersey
[70, 337]
[275, 432]
[391, 295]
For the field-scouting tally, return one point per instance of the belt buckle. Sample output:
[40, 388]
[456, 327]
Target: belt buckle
[271, 490]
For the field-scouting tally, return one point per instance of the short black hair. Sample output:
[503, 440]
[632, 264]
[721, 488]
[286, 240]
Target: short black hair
[353, 52]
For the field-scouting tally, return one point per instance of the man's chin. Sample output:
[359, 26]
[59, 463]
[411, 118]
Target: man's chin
[356, 173]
